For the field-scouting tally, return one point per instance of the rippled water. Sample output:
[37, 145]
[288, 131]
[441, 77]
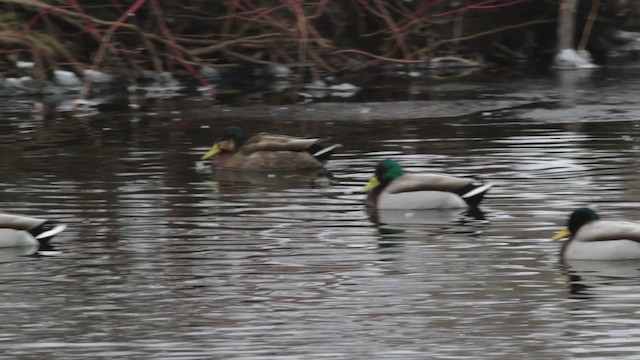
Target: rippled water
[163, 259]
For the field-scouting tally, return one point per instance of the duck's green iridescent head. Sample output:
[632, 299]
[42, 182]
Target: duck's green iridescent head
[231, 140]
[577, 219]
[234, 134]
[386, 172]
[580, 217]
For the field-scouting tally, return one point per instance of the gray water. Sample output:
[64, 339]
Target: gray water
[164, 259]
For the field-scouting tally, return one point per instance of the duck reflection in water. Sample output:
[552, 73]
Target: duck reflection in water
[426, 217]
[394, 225]
[588, 279]
[223, 180]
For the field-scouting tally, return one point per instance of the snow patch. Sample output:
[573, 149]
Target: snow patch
[568, 59]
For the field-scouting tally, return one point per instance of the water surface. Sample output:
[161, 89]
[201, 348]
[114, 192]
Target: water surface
[164, 259]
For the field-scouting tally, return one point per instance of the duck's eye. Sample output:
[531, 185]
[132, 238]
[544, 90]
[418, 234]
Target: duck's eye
[227, 145]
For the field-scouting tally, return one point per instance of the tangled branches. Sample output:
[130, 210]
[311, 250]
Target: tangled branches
[312, 36]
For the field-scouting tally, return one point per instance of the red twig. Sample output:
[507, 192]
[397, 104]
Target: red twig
[322, 4]
[379, 57]
[390, 23]
[302, 30]
[97, 59]
[92, 28]
[413, 17]
[481, 5]
[176, 51]
[226, 27]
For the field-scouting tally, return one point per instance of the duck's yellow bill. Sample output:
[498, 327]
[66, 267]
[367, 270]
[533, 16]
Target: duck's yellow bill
[214, 150]
[561, 234]
[373, 182]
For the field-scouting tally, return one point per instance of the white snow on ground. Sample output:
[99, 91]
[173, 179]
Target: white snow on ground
[66, 78]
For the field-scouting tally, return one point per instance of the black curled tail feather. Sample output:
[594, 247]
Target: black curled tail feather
[474, 192]
[46, 231]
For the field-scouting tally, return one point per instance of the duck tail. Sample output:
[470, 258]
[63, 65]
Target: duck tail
[474, 192]
[321, 153]
[46, 231]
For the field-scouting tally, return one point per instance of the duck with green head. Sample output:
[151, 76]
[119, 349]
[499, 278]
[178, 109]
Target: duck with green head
[390, 188]
[19, 230]
[268, 152]
[593, 239]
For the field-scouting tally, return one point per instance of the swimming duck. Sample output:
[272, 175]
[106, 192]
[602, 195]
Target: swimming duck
[391, 188]
[232, 150]
[20, 230]
[593, 239]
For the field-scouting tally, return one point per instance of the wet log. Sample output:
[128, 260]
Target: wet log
[567, 57]
[567, 24]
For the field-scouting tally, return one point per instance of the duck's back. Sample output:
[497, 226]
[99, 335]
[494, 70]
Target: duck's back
[602, 230]
[273, 142]
[426, 182]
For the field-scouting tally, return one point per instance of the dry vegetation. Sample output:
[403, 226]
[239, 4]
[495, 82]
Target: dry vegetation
[312, 36]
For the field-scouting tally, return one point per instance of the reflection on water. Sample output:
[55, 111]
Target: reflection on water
[17, 253]
[165, 258]
[603, 310]
[223, 180]
[408, 217]
[602, 279]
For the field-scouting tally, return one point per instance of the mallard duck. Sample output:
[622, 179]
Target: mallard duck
[19, 230]
[232, 150]
[593, 239]
[391, 188]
